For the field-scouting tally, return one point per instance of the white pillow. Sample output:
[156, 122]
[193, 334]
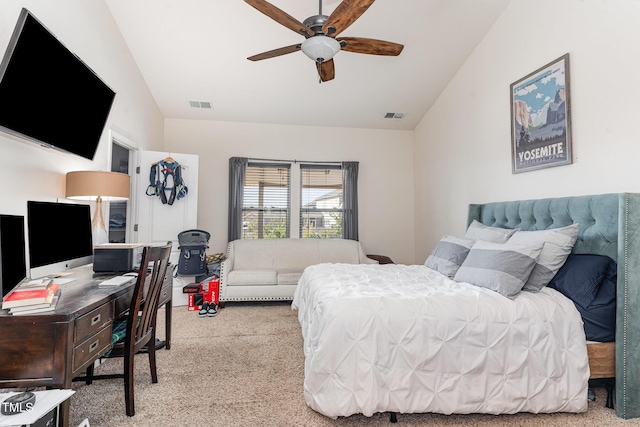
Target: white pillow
[449, 255]
[499, 267]
[479, 231]
[558, 243]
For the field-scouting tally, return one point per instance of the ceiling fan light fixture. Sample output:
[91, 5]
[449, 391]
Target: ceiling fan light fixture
[320, 48]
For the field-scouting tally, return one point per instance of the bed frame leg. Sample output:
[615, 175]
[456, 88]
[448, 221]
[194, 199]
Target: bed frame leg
[393, 418]
[610, 386]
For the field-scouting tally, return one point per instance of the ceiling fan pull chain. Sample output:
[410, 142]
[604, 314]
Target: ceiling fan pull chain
[319, 67]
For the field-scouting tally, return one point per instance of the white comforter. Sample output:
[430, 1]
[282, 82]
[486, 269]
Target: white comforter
[407, 339]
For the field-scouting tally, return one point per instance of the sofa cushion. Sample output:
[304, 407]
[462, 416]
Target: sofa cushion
[252, 277]
[258, 254]
[296, 254]
[289, 276]
[341, 251]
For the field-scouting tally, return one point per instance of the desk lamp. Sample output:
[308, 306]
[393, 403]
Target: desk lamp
[98, 186]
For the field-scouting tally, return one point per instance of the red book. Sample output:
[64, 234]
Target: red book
[22, 298]
[52, 286]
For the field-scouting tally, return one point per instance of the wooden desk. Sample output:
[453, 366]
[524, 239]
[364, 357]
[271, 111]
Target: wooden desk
[50, 349]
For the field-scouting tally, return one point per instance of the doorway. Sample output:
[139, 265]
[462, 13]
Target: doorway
[121, 216]
[118, 210]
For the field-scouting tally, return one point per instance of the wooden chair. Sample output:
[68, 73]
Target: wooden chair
[139, 325]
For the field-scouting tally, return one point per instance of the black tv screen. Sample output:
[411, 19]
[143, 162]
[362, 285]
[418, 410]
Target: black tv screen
[48, 95]
[59, 237]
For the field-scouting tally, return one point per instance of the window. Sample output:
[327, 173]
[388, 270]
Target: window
[266, 205]
[321, 201]
[280, 198]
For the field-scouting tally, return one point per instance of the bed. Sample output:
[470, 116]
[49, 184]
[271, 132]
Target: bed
[407, 339]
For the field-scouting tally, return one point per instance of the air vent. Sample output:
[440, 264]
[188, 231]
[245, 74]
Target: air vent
[398, 116]
[200, 104]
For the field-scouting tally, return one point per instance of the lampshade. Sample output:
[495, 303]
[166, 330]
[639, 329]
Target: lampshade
[97, 185]
[320, 48]
[89, 185]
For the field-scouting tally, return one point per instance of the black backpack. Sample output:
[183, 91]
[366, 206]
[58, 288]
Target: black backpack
[193, 246]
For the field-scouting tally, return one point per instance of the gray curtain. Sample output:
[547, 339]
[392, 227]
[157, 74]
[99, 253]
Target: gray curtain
[350, 192]
[237, 171]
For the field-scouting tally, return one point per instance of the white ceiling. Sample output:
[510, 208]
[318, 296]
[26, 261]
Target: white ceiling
[198, 49]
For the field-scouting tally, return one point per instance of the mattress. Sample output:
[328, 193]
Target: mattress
[407, 339]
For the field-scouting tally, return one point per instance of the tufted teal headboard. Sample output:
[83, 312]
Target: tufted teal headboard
[609, 225]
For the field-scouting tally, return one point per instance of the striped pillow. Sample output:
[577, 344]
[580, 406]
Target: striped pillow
[499, 267]
[558, 243]
[479, 231]
[449, 255]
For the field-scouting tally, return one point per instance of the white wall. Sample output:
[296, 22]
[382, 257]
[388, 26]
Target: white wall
[463, 151]
[385, 181]
[462, 148]
[29, 172]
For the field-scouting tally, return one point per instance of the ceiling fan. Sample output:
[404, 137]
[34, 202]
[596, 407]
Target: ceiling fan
[321, 31]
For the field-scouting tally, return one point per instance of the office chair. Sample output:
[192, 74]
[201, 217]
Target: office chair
[139, 326]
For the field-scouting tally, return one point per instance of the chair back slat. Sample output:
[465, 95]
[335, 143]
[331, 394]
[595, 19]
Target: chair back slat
[146, 294]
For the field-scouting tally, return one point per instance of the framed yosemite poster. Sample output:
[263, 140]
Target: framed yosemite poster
[541, 118]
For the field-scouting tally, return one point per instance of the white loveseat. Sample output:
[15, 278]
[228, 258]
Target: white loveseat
[269, 269]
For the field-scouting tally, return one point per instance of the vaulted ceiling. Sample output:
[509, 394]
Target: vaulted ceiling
[197, 50]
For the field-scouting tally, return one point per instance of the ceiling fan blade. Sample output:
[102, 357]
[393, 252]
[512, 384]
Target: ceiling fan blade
[371, 46]
[281, 17]
[275, 52]
[345, 14]
[326, 70]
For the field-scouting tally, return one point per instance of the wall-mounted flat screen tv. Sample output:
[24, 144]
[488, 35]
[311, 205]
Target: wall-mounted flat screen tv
[48, 95]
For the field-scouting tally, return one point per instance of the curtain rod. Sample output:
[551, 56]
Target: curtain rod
[293, 161]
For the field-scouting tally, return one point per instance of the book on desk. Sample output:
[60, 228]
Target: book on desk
[36, 308]
[29, 296]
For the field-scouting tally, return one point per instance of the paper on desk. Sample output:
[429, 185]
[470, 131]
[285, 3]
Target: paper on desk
[117, 281]
[61, 281]
[46, 400]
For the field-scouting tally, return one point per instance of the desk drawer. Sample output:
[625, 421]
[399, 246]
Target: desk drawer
[90, 323]
[91, 349]
[167, 289]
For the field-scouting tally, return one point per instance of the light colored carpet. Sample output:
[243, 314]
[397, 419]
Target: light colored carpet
[245, 367]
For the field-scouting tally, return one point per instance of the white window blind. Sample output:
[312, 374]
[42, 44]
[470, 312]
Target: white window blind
[266, 201]
[321, 201]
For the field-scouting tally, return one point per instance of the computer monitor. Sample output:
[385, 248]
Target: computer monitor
[13, 267]
[59, 237]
